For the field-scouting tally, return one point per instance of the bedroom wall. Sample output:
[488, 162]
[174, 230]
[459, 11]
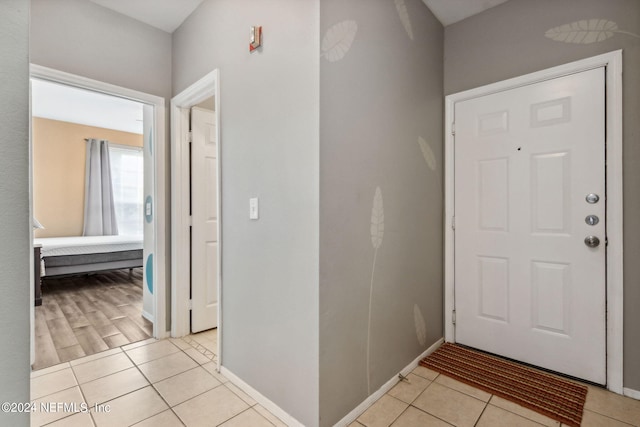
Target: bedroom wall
[380, 195]
[269, 142]
[59, 161]
[14, 205]
[508, 41]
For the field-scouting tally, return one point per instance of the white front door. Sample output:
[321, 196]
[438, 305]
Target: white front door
[204, 215]
[527, 285]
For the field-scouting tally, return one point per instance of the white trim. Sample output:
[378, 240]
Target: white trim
[56, 76]
[147, 316]
[219, 213]
[204, 88]
[355, 413]
[44, 73]
[634, 394]
[615, 234]
[126, 147]
[613, 63]
[261, 399]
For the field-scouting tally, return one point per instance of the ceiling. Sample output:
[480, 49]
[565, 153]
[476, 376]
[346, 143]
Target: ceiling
[168, 15]
[65, 103]
[68, 104]
[452, 11]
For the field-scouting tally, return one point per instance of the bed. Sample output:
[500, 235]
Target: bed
[87, 254]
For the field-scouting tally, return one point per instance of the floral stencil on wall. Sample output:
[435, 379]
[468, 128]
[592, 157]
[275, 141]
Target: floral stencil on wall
[377, 233]
[427, 152]
[421, 326]
[401, 7]
[586, 31]
[338, 39]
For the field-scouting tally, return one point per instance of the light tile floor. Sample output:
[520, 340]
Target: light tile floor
[173, 382]
[165, 383]
[427, 398]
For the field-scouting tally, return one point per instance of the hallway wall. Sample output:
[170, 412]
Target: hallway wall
[381, 195]
[80, 37]
[269, 149]
[14, 204]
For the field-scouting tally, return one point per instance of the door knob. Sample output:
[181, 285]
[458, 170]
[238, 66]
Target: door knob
[591, 241]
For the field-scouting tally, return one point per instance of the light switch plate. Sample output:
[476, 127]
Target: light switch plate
[148, 209]
[253, 208]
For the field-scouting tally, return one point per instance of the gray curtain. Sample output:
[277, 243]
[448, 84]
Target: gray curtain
[99, 209]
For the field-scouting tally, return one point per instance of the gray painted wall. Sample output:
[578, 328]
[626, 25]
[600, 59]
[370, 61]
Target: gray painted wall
[14, 205]
[80, 37]
[509, 40]
[269, 125]
[380, 96]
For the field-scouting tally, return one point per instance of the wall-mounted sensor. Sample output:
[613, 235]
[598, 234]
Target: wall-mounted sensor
[256, 38]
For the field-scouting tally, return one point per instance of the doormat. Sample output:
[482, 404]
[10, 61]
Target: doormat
[554, 397]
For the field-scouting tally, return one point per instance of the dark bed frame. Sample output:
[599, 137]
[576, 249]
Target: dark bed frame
[67, 265]
[90, 263]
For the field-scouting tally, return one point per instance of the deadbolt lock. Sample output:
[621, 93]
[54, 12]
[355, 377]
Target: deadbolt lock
[592, 219]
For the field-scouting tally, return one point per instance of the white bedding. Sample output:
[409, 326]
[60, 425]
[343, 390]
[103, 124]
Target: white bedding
[80, 245]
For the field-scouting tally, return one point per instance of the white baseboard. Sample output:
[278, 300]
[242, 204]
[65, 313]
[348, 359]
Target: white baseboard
[351, 416]
[258, 397]
[634, 394]
[147, 316]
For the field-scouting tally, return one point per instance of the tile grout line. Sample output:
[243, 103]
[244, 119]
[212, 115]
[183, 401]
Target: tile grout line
[482, 413]
[248, 409]
[156, 390]
[249, 406]
[607, 416]
[84, 398]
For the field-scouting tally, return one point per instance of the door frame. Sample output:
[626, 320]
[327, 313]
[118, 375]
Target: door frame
[612, 62]
[159, 191]
[204, 88]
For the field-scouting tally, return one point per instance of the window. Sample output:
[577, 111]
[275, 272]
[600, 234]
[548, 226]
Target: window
[128, 188]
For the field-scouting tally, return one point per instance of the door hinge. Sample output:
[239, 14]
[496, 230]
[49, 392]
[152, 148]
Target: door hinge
[453, 222]
[190, 136]
[190, 221]
[453, 317]
[190, 305]
[453, 128]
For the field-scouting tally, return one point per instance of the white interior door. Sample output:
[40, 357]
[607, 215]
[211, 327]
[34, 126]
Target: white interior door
[204, 214]
[527, 286]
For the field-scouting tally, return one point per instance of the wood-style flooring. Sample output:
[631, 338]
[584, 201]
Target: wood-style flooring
[83, 315]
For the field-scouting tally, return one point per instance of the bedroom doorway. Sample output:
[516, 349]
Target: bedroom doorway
[97, 201]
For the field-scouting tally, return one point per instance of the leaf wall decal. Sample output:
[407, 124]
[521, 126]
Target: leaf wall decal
[421, 327]
[427, 152]
[377, 219]
[377, 232]
[401, 7]
[338, 39]
[586, 31]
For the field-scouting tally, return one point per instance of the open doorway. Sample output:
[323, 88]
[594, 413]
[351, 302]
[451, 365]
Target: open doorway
[94, 183]
[196, 220]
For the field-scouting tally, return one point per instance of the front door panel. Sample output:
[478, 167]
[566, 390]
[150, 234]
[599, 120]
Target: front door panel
[527, 284]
